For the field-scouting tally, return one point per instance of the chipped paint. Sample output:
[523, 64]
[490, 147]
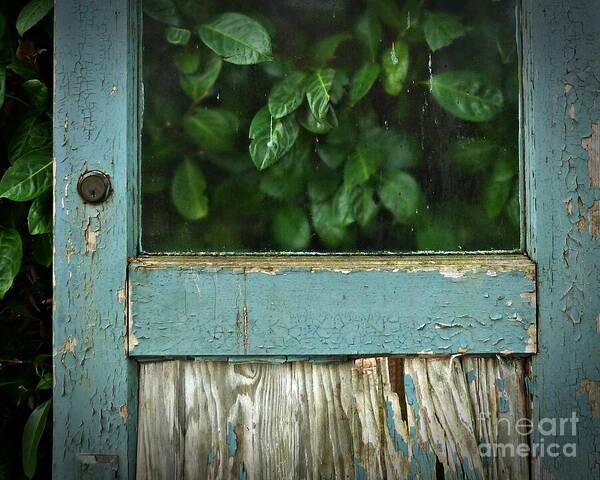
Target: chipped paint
[591, 390]
[591, 144]
[231, 440]
[299, 311]
[594, 219]
[531, 346]
[451, 273]
[562, 174]
[68, 347]
[124, 411]
[122, 295]
[529, 296]
[90, 238]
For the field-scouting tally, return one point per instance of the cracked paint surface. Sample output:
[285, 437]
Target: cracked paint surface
[93, 406]
[562, 81]
[187, 310]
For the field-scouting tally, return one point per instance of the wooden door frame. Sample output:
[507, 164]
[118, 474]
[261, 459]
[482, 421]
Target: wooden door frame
[96, 127]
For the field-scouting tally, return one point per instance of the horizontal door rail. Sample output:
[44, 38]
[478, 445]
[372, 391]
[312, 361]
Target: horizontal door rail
[278, 306]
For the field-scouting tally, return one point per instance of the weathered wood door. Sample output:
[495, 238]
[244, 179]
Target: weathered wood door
[482, 365]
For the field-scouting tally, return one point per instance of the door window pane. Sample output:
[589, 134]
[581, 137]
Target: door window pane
[330, 125]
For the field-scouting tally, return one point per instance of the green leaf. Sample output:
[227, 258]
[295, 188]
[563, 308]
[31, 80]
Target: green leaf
[499, 187]
[188, 191]
[330, 230]
[45, 382]
[2, 84]
[401, 195]
[39, 219]
[342, 205]
[213, 130]
[286, 179]
[361, 165]
[23, 69]
[318, 93]
[32, 13]
[42, 249]
[364, 207]
[28, 177]
[291, 230]
[177, 36]
[395, 63]
[332, 155]
[389, 12]
[32, 433]
[513, 211]
[33, 134]
[472, 155]
[238, 39]
[287, 95]
[37, 93]
[188, 61]
[399, 150]
[197, 86]
[441, 29]
[310, 123]
[362, 81]
[467, 95]
[11, 252]
[369, 32]
[325, 49]
[271, 138]
[322, 186]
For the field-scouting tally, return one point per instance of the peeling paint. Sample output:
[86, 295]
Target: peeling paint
[121, 295]
[68, 347]
[90, 238]
[531, 346]
[530, 296]
[592, 146]
[594, 219]
[591, 389]
[124, 411]
[451, 273]
[132, 341]
[231, 440]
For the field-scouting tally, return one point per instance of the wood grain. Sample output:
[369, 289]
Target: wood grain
[343, 420]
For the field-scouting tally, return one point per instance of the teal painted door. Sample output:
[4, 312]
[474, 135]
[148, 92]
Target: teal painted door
[119, 312]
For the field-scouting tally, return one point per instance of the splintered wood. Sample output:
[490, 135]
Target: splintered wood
[365, 419]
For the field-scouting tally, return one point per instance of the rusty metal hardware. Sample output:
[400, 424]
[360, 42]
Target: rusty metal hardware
[94, 186]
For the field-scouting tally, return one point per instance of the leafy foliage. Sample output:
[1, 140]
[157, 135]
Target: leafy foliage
[25, 237]
[349, 130]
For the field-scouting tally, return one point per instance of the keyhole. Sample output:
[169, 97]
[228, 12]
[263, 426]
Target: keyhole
[93, 186]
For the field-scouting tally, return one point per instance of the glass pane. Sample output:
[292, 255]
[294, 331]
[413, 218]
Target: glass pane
[330, 125]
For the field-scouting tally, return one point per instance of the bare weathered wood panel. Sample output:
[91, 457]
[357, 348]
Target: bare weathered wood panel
[366, 418]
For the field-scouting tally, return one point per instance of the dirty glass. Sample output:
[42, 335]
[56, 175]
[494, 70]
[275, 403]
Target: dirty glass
[330, 125]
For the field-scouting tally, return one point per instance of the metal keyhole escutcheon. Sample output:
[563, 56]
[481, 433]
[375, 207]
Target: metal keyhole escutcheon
[94, 186]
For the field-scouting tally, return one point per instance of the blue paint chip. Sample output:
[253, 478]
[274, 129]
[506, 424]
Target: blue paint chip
[399, 443]
[411, 395]
[471, 376]
[242, 475]
[360, 471]
[211, 456]
[231, 440]
[503, 404]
